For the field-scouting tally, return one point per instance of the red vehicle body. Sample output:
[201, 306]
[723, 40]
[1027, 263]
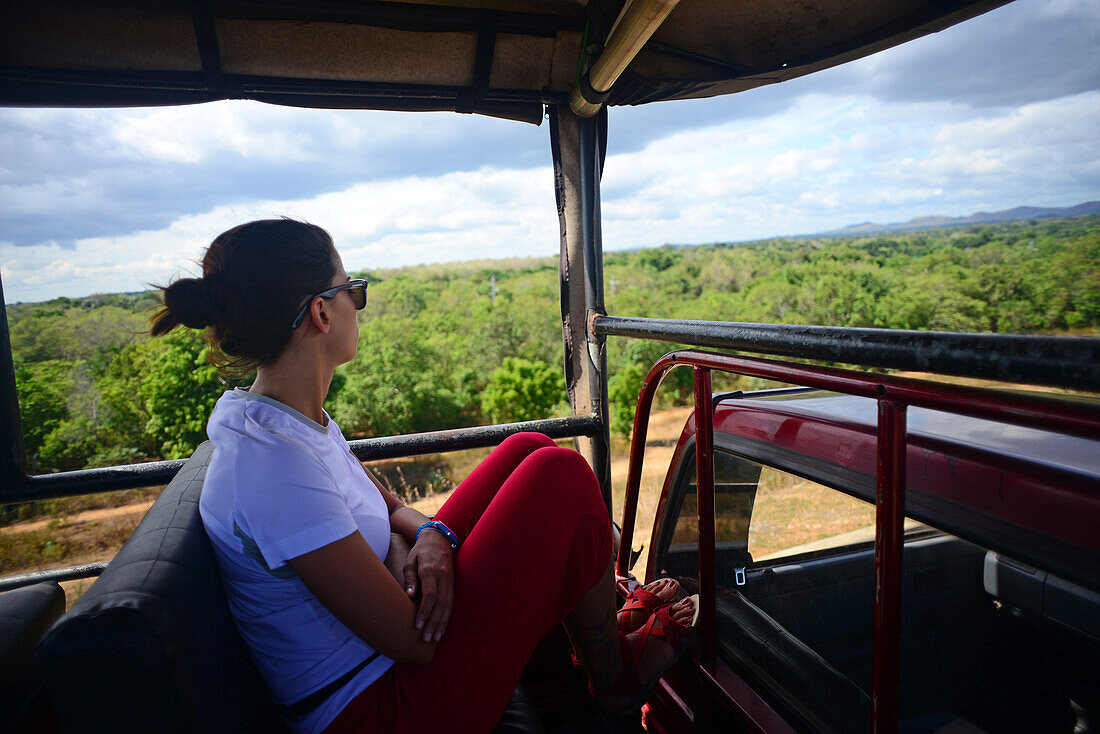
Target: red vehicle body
[983, 603]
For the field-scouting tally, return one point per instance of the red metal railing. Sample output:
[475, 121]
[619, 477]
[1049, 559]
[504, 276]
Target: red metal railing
[893, 395]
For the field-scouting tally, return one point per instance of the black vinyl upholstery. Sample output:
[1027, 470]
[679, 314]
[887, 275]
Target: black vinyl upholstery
[784, 663]
[25, 615]
[520, 716]
[152, 647]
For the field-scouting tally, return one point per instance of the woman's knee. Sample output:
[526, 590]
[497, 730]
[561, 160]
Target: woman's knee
[565, 474]
[527, 442]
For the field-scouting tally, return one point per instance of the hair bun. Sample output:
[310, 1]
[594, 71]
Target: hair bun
[194, 302]
[254, 277]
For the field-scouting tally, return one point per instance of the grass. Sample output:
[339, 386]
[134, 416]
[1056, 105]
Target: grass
[787, 512]
[30, 549]
[39, 509]
[63, 542]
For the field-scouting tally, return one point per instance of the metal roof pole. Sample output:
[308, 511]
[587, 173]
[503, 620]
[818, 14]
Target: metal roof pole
[637, 22]
[578, 161]
[13, 460]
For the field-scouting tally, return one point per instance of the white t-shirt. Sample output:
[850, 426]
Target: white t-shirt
[280, 485]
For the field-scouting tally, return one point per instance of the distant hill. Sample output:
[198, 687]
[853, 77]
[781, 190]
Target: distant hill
[1017, 214]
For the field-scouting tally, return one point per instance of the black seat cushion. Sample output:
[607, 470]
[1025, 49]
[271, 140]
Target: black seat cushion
[151, 647]
[25, 615]
[520, 717]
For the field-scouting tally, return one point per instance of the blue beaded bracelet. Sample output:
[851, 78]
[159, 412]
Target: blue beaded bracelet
[440, 528]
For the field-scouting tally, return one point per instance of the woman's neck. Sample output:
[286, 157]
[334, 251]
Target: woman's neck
[299, 384]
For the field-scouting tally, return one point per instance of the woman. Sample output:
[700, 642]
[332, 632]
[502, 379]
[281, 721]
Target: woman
[361, 613]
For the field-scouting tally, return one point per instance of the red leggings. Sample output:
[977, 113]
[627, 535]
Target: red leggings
[535, 536]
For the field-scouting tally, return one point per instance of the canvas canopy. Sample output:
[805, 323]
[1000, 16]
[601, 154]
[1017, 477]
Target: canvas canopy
[493, 57]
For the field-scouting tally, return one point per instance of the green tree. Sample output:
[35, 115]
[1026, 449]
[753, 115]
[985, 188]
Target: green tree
[397, 383]
[178, 388]
[43, 390]
[657, 259]
[70, 445]
[622, 391]
[94, 391]
[123, 415]
[91, 334]
[522, 390]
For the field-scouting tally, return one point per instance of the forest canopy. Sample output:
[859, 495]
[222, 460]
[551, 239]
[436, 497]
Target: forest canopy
[442, 346]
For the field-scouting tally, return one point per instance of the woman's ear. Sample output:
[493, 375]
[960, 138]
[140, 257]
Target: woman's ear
[320, 315]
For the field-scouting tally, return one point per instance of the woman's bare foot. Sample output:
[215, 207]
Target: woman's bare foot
[633, 615]
[648, 653]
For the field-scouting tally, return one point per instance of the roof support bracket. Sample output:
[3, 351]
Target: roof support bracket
[637, 22]
[483, 64]
[207, 37]
[590, 95]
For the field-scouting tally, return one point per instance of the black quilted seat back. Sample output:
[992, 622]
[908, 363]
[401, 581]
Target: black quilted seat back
[25, 615]
[151, 647]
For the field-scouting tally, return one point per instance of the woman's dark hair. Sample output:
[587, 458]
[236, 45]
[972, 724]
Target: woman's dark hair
[255, 278]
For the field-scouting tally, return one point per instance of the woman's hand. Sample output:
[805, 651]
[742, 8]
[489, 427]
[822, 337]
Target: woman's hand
[429, 569]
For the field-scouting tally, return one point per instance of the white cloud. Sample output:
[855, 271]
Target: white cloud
[1076, 9]
[456, 216]
[739, 180]
[246, 130]
[865, 160]
[997, 112]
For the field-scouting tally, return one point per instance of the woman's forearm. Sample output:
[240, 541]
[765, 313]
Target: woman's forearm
[396, 557]
[347, 577]
[405, 520]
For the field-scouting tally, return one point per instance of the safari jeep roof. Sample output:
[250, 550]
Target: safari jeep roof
[496, 57]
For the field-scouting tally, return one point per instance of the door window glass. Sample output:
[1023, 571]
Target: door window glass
[793, 515]
[800, 630]
[734, 485]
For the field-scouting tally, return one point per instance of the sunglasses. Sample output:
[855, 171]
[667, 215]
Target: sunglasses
[357, 289]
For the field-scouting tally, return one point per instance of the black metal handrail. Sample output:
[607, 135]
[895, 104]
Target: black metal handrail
[459, 439]
[1061, 361]
[150, 474]
[90, 481]
[366, 449]
[71, 573]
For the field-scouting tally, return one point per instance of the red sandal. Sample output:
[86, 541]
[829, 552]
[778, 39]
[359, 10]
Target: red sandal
[639, 606]
[642, 603]
[627, 694]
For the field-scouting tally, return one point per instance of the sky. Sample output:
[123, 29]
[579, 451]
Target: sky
[1000, 111]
